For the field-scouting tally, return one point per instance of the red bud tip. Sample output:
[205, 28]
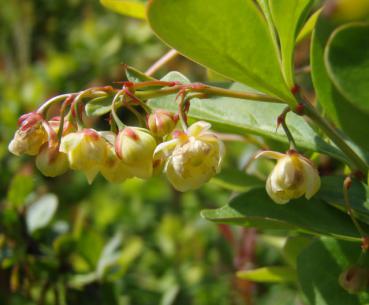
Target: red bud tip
[295, 89]
[130, 133]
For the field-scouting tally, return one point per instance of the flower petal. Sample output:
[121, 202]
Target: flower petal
[270, 154]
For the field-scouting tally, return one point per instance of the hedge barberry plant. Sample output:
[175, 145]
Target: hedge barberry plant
[253, 44]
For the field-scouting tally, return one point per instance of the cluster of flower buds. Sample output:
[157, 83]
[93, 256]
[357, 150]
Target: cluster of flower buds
[292, 177]
[189, 158]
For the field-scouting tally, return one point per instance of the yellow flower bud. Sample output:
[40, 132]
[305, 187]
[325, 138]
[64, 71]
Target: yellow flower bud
[86, 151]
[355, 279]
[192, 157]
[161, 122]
[292, 177]
[135, 147]
[113, 169]
[51, 162]
[29, 137]
[347, 10]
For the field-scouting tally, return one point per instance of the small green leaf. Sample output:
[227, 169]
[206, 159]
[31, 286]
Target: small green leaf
[135, 75]
[308, 27]
[336, 107]
[288, 17]
[98, 106]
[319, 267]
[347, 61]
[275, 274]
[129, 8]
[259, 118]
[234, 41]
[256, 209]
[40, 213]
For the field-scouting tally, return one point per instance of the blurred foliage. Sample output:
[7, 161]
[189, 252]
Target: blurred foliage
[65, 242]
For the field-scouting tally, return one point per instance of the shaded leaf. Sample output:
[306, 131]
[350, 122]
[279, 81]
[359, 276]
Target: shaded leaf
[347, 61]
[337, 108]
[236, 180]
[319, 267]
[256, 209]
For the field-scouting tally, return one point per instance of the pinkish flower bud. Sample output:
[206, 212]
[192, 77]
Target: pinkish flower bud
[135, 147]
[161, 122]
[51, 162]
[29, 137]
[355, 279]
[86, 151]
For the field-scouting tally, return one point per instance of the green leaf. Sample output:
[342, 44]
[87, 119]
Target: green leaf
[336, 107]
[259, 118]
[347, 61]
[129, 8]
[319, 267]
[20, 187]
[293, 247]
[308, 26]
[40, 213]
[256, 209]
[98, 106]
[288, 17]
[135, 75]
[234, 41]
[331, 191]
[275, 274]
[236, 180]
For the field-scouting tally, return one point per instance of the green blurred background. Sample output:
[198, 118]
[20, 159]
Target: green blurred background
[63, 241]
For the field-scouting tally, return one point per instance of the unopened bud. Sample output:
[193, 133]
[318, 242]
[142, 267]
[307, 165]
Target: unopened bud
[86, 151]
[292, 177]
[161, 122]
[192, 157]
[355, 279]
[51, 162]
[29, 137]
[113, 169]
[135, 147]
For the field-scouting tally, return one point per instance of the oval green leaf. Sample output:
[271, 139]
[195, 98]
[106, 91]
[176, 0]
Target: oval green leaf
[230, 37]
[347, 61]
[336, 107]
[256, 209]
[288, 18]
